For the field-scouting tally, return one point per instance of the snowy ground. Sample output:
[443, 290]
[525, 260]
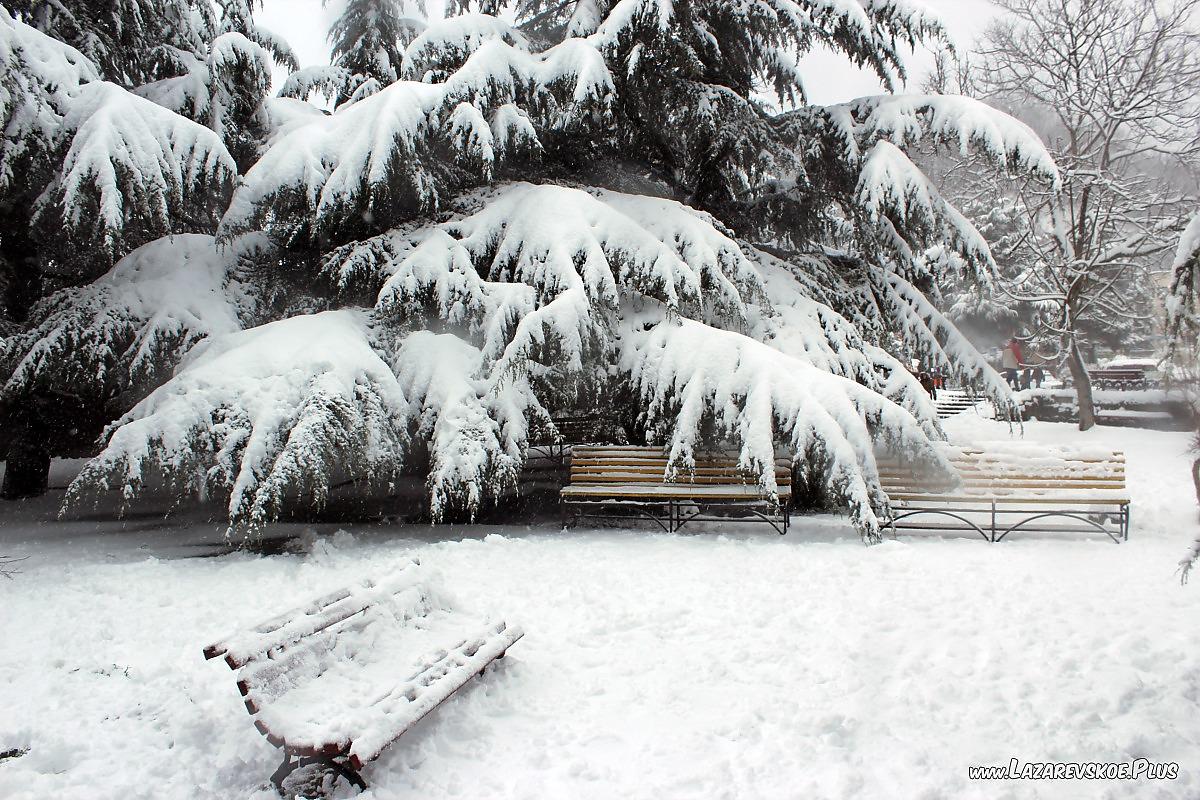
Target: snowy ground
[718, 665]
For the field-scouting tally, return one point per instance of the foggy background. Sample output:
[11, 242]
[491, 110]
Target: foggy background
[829, 78]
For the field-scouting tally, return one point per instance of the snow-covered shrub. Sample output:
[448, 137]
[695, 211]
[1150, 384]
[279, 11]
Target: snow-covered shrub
[262, 415]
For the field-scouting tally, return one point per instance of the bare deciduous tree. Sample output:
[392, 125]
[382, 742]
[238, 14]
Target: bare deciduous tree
[1115, 82]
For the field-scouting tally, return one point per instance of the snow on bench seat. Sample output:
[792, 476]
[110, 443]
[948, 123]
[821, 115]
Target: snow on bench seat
[606, 481]
[350, 672]
[1079, 489]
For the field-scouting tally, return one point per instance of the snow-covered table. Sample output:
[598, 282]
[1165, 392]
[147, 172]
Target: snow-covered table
[337, 681]
[630, 480]
[1002, 487]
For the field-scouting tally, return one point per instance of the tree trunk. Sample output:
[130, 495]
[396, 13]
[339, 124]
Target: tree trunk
[1196, 479]
[1083, 387]
[27, 467]
[18, 255]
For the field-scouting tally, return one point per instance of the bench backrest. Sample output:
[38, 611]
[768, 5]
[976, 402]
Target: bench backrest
[1044, 469]
[650, 465]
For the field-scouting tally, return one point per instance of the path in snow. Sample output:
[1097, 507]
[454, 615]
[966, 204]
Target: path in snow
[739, 665]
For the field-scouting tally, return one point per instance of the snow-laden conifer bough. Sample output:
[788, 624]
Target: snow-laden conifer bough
[584, 201]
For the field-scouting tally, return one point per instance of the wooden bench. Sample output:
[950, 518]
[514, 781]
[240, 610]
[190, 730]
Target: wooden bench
[1119, 378]
[628, 480]
[1004, 487]
[335, 682]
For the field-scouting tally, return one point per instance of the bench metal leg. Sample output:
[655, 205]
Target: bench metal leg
[289, 766]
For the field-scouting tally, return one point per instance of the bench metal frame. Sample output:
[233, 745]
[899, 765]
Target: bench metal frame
[339, 768]
[672, 513]
[997, 530]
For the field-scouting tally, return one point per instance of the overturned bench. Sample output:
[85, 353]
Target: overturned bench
[628, 480]
[335, 682]
[1001, 488]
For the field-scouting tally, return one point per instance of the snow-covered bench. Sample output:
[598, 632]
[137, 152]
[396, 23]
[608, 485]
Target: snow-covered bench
[1004, 487]
[630, 480]
[1118, 378]
[338, 680]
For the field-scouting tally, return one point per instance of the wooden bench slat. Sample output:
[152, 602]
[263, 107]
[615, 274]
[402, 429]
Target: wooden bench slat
[288, 628]
[662, 467]
[663, 464]
[999, 498]
[670, 491]
[700, 480]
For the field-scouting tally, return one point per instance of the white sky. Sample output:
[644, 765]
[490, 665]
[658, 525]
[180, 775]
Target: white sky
[829, 78]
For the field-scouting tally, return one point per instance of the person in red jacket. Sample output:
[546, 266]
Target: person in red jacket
[1011, 360]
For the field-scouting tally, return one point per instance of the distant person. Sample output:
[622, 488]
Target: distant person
[1011, 360]
[1038, 377]
[928, 385]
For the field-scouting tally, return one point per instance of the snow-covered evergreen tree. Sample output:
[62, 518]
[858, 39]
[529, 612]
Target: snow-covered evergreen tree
[368, 39]
[89, 171]
[589, 199]
[1183, 330]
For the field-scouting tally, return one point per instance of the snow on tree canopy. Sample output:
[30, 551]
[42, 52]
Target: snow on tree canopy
[37, 76]
[132, 167]
[223, 92]
[685, 372]
[129, 328]
[541, 288]
[263, 414]
[905, 119]
[543, 275]
[890, 183]
[475, 425]
[402, 150]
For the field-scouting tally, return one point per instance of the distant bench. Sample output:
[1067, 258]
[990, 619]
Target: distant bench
[1119, 378]
[631, 481]
[1006, 487]
[335, 682]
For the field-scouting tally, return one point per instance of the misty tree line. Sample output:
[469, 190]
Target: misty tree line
[1110, 85]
